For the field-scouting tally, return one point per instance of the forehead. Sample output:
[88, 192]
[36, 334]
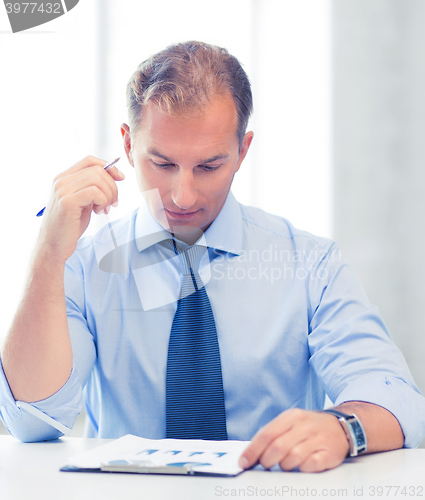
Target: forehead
[213, 126]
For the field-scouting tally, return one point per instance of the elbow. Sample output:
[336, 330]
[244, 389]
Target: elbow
[34, 434]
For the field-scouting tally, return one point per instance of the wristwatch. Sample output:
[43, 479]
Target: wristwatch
[353, 430]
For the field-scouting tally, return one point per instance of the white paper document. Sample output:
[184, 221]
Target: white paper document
[164, 456]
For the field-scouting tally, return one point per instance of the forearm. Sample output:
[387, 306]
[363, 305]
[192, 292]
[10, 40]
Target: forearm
[383, 432]
[37, 354]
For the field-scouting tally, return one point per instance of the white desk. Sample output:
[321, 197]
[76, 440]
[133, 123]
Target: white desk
[31, 471]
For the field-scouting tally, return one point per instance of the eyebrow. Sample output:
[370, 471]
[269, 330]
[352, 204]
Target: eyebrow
[154, 152]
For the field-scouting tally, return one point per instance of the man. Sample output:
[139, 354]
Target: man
[287, 320]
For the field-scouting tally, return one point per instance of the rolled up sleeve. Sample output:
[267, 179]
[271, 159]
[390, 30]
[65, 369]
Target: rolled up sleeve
[395, 395]
[352, 352]
[42, 420]
[55, 416]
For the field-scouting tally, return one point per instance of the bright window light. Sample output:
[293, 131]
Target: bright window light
[62, 97]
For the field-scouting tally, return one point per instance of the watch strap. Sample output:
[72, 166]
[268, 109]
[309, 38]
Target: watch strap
[337, 413]
[354, 431]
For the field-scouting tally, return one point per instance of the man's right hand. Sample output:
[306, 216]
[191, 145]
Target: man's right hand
[76, 192]
[37, 353]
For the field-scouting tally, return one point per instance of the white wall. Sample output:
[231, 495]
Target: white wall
[379, 152]
[62, 89]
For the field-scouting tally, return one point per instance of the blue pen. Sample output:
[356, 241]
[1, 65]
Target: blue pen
[106, 167]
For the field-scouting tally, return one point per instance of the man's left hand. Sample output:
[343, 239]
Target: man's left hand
[312, 441]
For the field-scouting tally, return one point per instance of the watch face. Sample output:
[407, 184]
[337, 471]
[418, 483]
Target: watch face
[359, 434]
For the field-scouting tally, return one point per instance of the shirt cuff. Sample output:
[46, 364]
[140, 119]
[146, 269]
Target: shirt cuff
[42, 420]
[396, 396]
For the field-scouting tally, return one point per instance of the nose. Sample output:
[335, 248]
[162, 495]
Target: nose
[184, 193]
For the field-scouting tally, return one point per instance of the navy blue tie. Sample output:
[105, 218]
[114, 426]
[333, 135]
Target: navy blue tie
[194, 382]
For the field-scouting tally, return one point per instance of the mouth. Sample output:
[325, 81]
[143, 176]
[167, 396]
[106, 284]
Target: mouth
[181, 215]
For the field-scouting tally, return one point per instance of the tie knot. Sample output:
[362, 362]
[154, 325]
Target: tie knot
[190, 257]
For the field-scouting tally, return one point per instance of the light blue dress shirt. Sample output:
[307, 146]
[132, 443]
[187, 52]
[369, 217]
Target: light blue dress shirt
[293, 324]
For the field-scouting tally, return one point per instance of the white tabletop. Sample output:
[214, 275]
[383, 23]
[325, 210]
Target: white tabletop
[31, 470]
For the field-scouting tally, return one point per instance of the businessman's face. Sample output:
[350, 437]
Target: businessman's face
[190, 160]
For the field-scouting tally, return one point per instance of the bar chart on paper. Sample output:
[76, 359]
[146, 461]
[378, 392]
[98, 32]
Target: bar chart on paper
[164, 456]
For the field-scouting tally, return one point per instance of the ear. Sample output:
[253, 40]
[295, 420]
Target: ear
[246, 142]
[126, 137]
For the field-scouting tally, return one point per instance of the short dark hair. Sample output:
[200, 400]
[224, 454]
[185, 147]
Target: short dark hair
[184, 77]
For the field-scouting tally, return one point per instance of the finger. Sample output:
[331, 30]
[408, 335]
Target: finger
[88, 196]
[110, 176]
[68, 187]
[116, 174]
[281, 448]
[266, 435]
[95, 176]
[106, 182]
[88, 161]
[298, 454]
[319, 461]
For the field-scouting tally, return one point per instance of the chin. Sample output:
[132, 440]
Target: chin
[188, 233]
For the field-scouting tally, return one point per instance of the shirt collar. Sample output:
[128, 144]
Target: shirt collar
[147, 230]
[225, 232]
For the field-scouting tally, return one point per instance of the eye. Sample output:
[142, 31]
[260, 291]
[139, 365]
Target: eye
[163, 165]
[207, 168]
